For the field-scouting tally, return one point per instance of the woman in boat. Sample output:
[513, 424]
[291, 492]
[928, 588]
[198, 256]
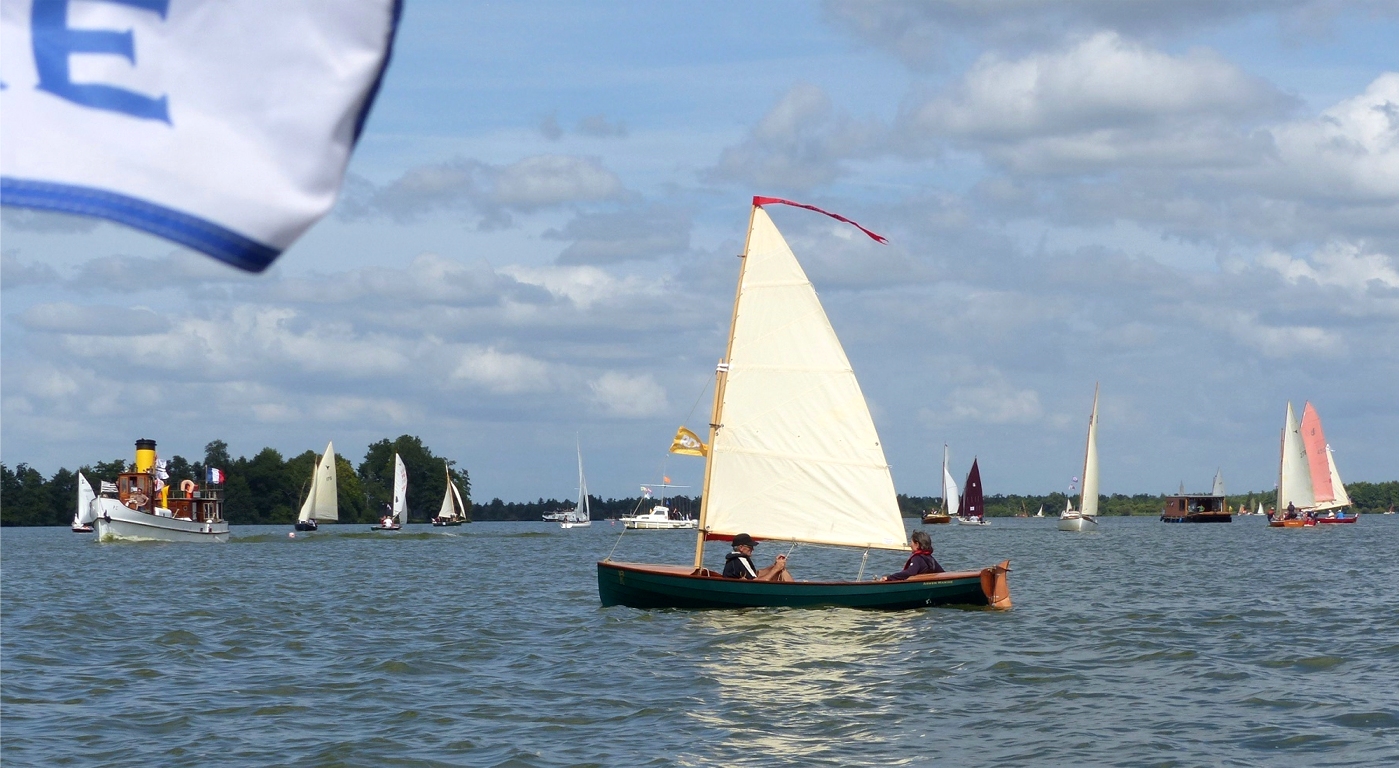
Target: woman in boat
[921, 561]
[738, 564]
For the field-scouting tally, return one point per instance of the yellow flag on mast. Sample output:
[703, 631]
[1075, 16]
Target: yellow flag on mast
[688, 444]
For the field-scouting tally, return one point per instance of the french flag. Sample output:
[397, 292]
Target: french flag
[215, 476]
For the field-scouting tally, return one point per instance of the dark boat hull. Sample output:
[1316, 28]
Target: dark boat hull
[937, 519]
[664, 586]
[307, 525]
[82, 529]
[445, 523]
[386, 527]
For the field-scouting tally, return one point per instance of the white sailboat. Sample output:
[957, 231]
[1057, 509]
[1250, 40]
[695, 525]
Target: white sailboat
[1041, 512]
[322, 500]
[1295, 494]
[397, 516]
[949, 496]
[453, 510]
[86, 513]
[793, 457]
[580, 516]
[1086, 517]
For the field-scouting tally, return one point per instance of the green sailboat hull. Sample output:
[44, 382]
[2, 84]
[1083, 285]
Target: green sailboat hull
[661, 586]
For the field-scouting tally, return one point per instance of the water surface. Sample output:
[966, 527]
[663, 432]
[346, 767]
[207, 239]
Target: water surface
[485, 645]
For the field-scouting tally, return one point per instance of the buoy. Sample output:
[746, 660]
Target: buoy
[291, 534]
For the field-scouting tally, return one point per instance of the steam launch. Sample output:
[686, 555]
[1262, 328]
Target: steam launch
[141, 506]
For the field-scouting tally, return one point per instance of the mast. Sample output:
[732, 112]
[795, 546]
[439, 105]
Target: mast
[1282, 459]
[944, 478]
[721, 376]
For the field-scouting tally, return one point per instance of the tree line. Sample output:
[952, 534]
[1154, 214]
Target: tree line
[262, 489]
[268, 489]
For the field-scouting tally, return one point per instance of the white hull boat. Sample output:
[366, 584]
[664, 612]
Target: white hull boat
[1073, 521]
[117, 523]
[580, 516]
[143, 510]
[398, 516]
[658, 519]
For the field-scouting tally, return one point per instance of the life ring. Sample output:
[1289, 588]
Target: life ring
[188, 487]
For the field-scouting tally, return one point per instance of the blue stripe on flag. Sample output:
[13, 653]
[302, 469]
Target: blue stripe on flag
[201, 235]
[383, 67]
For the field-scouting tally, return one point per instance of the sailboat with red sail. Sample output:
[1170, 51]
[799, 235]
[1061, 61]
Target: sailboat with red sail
[973, 511]
[1327, 490]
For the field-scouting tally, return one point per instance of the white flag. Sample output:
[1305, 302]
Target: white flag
[223, 126]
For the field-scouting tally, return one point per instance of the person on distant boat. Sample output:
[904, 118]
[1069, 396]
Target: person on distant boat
[738, 564]
[921, 561]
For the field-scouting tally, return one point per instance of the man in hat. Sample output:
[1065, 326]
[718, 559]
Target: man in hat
[738, 564]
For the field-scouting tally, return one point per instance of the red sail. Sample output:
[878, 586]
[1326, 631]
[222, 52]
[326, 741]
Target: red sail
[1315, 441]
[971, 494]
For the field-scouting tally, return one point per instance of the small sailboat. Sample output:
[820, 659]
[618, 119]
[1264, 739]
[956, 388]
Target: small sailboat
[1327, 490]
[397, 514]
[973, 511]
[1085, 518]
[793, 456]
[452, 513]
[1389, 511]
[580, 516]
[949, 497]
[143, 509]
[322, 500]
[86, 513]
[1041, 512]
[1295, 492]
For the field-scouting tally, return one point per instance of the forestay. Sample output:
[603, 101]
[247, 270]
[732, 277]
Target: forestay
[797, 457]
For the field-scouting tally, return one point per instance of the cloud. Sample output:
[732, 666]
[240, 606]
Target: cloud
[798, 144]
[17, 274]
[629, 396]
[920, 33]
[994, 400]
[549, 128]
[1338, 263]
[1104, 102]
[503, 372]
[608, 238]
[93, 320]
[489, 191]
[546, 180]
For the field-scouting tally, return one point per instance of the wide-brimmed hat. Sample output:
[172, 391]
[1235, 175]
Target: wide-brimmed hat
[744, 539]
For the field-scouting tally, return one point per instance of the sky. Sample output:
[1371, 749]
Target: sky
[1193, 205]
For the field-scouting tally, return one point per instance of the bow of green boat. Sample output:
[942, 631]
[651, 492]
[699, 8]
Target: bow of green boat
[638, 585]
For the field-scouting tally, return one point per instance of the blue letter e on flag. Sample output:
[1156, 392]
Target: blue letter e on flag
[54, 42]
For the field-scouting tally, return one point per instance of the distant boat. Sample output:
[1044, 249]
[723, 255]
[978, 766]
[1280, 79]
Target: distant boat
[949, 497]
[1041, 512]
[1390, 511]
[144, 511]
[580, 516]
[453, 511]
[793, 457]
[1085, 518]
[398, 512]
[661, 517]
[86, 513]
[973, 511]
[322, 501]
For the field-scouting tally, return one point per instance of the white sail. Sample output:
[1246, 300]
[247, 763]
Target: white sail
[1088, 499]
[1218, 488]
[400, 491]
[322, 501]
[86, 513]
[1342, 499]
[949, 487]
[1294, 474]
[448, 510]
[584, 511]
[796, 457]
[456, 494]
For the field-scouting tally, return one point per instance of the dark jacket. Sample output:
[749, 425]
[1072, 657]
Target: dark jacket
[920, 562]
[733, 567]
